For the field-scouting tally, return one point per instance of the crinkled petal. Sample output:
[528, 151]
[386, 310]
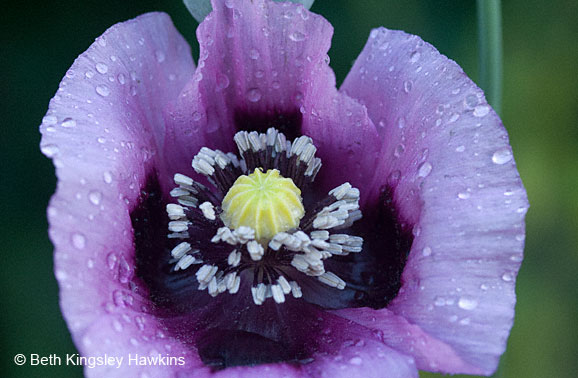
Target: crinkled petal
[345, 349]
[446, 156]
[264, 64]
[410, 339]
[103, 130]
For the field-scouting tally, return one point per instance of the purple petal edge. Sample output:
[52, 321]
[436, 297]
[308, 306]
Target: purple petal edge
[103, 130]
[446, 154]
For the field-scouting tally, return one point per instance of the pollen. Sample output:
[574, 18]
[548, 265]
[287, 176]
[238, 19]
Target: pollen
[266, 202]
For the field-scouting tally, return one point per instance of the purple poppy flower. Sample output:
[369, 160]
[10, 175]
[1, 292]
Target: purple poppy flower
[443, 205]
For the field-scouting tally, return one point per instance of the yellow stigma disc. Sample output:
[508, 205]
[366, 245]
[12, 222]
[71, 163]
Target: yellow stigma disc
[267, 202]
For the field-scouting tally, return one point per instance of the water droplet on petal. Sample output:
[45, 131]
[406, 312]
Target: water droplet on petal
[414, 57]
[61, 275]
[160, 56]
[107, 176]
[502, 156]
[356, 361]
[49, 150]
[471, 101]
[78, 240]
[460, 148]
[49, 120]
[297, 36]
[399, 149]
[393, 178]
[439, 301]
[95, 197]
[101, 68]
[467, 303]
[508, 276]
[481, 110]
[111, 260]
[68, 122]
[424, 169]
[407, 85]
[463, 195]
[254, 95]
[102, 90]
[121, 78]
[254, 54]
[426, 251]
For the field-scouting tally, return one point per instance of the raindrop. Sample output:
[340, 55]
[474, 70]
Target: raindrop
[517, 257]
[481, 110]
[95, 197]
[508, 276]
[107, 176]
[222, 81]
[454, 118]
[401, 122]
[254, 95]
[414, 57]
[111, 260]
[394, 177]
[254, 54]
[407, 85]
[124, 271]
[426, 251]
[460, 148]
[399, 150]
[78, 240]
[465, 321]
[463, 195]
[49, 150]
[121, 78]
[61, 275]
[297, 36]
[424, 169]
[102, 90]
[90, 263]
[49, 120]
[356, 361]
[117, 325]
[101, 68]
[466, 303]
[197, 116]
[439, 301]
[160, 56]
[471, 101]
[122, 299]
[68, 122]
[89, 74]
[502, 156]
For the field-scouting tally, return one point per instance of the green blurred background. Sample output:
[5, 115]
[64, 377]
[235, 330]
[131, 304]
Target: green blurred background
[41, 39]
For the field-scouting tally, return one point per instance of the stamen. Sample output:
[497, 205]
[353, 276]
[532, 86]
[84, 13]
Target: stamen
[333, 280]
[296, 289]
[180, 250]
[208, 210]
[258, 210]
[255, 250]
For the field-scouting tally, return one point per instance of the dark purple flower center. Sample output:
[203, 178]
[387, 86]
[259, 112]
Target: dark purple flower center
[230, 330]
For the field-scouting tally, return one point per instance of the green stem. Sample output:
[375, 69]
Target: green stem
[490, 40]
